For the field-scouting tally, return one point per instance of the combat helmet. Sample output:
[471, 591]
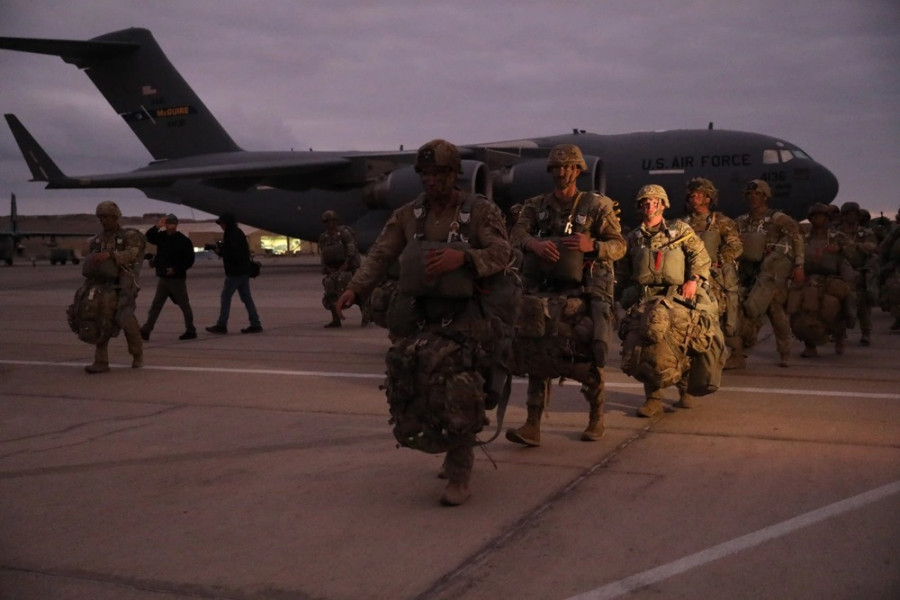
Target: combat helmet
[758, 185]
[653, 191]
[817, 209]
[701, 184]
[108, 207]
[329, 215]
[438, 153]
[850, 207]
[566, 154]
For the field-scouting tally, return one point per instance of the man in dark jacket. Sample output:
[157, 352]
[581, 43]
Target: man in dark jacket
[174, 256]
[235, 253]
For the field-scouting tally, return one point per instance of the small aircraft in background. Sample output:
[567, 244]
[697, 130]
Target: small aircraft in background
[11, 240]
[196, 163]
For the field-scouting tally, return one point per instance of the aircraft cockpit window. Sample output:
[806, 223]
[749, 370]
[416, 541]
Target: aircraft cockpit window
[770, 157]
[786, 155]
[801, 154]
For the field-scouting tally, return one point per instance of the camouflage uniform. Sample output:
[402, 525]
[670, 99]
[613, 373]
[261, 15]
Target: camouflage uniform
[889, 297]
[657, 258]
[824, 306]
[862, 253]
[549, 216]
[456, 325]
[773, 245]
[722, 241]
[126, 249]
[340, 259]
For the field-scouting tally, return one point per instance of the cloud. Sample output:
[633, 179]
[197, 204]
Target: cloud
[351, 75]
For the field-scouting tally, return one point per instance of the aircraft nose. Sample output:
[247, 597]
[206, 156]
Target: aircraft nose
[825, 185]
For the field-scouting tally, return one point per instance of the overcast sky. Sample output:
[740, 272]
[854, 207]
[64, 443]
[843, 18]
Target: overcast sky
[363, 75]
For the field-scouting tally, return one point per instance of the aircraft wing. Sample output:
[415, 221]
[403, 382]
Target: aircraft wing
[231, 170]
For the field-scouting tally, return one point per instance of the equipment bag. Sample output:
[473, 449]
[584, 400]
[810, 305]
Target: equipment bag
[92, 313]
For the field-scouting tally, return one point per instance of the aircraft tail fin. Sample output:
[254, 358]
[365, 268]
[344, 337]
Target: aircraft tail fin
[144, 88]
[39, 162]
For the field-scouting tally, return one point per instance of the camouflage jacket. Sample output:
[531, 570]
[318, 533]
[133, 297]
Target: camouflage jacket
[861, 244]
[781, 231]
[548, 216]
[819, 259]
[338, 248]
[668, 236]
[125, 245]
[490, 250]
[719, 234]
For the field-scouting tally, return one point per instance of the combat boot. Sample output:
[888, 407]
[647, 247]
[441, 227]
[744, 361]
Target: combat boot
[595, 429]
[865, 339]
[736, 359]
[650, 408]
[335, 321]
[809, 351]
[528, 434]
[101, 360]
[685, 400]
[97, 367]
[145, 333]
[458, 464]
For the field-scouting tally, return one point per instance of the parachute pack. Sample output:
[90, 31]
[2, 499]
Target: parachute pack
[663, 339]
[819, 308]
[554, 337]
[92, 313]
[435, 391]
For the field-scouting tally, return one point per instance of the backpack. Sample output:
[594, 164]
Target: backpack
[92, 313]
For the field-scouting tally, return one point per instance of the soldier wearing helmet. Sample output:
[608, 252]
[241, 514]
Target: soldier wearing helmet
[340, 259]
[722, 241]
[773, 252]
[114, 258]
[666, 260]
[862, 253]
[444, 367]
[569, 239]
[828, 307]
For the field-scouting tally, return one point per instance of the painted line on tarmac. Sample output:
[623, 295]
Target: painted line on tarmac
[663, 572]
[517, 380]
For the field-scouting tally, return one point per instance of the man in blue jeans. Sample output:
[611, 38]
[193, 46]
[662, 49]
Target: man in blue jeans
[235, 253]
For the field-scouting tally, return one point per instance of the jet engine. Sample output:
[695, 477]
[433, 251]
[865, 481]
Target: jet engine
[393, 190]
[529, 178]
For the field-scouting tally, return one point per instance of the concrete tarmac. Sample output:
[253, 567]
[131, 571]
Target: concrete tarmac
[263, 467]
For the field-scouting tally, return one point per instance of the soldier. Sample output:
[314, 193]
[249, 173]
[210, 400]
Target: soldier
[671, 333]
[340, 259]
[889, 253]
[773, 253]
[722, 241]
[834, 215]
[822, 308]
[862, 253]
[569, 239]
[443, 370]
[235, 253]
[115, 255]
[174, 256]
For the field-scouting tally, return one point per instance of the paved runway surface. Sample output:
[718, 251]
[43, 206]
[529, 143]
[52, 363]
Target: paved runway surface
[263, 467]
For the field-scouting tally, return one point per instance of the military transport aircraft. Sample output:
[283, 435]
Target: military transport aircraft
[11, 238]
[196, 163]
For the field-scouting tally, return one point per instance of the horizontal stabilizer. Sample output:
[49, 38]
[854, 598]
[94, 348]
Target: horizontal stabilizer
[76, 52]
[39, 162]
